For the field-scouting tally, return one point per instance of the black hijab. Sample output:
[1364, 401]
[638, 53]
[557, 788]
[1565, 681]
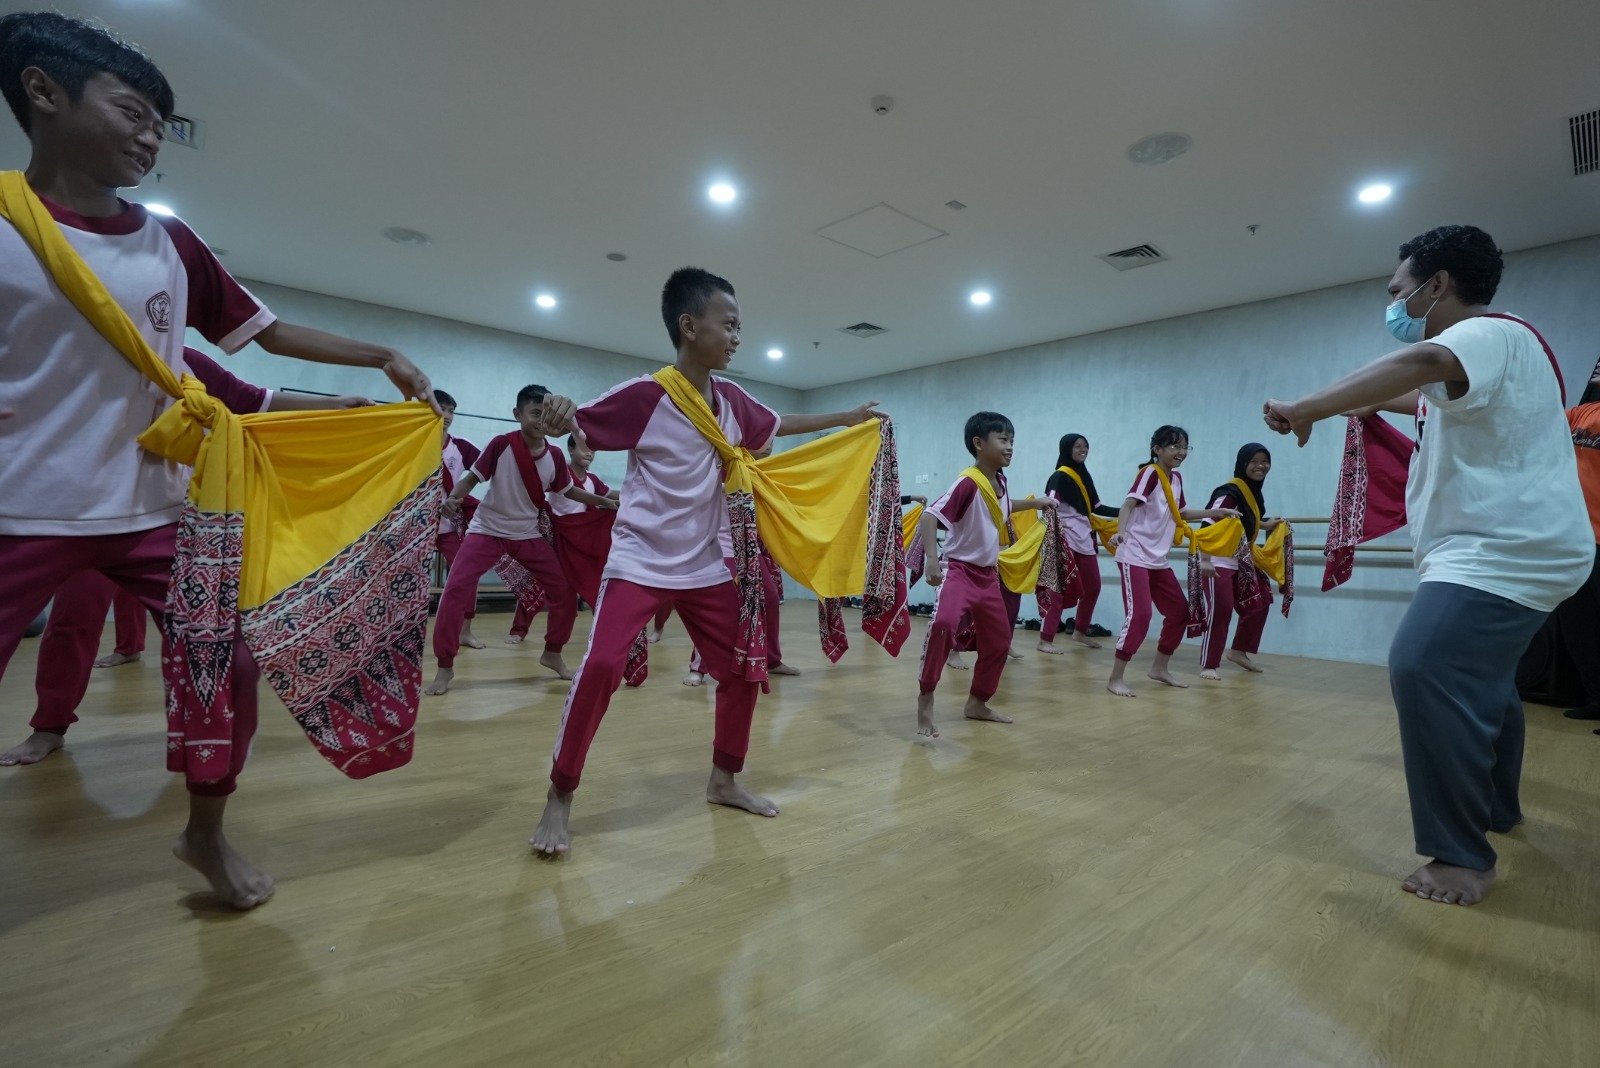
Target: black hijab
[1242, 462]
[1072, 497]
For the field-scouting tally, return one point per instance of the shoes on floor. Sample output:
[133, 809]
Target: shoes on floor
[1583, 712]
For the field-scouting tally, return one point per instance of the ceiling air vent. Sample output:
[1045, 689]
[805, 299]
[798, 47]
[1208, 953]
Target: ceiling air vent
[1138, 256]
[1585, 143]
[864, 330]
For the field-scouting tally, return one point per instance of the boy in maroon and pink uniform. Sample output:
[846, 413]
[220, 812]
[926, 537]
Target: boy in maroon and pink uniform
[76, 491]
[523, 471]
[664, 548]
[457, 459]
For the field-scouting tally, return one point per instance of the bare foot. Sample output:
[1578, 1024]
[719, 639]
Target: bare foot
[1120, 688]
[782, 669]
[954, 661]
[471, 640]
[1167, 678]
[553, 661]
[694, 678]
[977, 709]
[653, 637]
[514, 639]
[235, 880]
[1211, 675]
[1050, 647]
[39, 745]
[441, 682]
[925, 727]
[1244, 661]
[723, 789]
[1448, 884]
[1085, 641]
[550, 839]
[1013, 654]
[117, 659]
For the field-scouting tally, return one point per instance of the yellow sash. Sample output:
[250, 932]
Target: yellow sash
[307, 483]
[1218, 539]
[908, 526]
[814, 530]
[1249, 499]
[992, 502]
[1269, 557]
[1102, 527]
[1019, 561]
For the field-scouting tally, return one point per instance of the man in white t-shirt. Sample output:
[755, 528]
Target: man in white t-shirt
[1501, 540]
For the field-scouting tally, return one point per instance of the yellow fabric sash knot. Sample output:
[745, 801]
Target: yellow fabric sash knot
[814, 531]
[1102, 527]
[1218, 539]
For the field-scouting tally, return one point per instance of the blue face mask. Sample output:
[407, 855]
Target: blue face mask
[1406, 328]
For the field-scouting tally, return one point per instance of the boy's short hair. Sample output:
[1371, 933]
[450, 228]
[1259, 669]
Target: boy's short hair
[1469, 254]
[527, 395]
[573, 442]
[982, 425]
[444, 399]
[71, 51]
[685, 294]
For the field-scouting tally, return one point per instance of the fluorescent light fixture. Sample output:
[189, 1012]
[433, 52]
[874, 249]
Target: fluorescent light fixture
[722, 193]
[545, 301]
[981, 297]
[774, 354]
[1375, 194]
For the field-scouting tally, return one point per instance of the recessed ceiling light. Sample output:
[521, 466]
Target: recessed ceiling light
[722, 193]
[159, 209]
[401, 235]
[981, 297]
[1375, 194]
[616, 257]
[774, 354]
[545, 301]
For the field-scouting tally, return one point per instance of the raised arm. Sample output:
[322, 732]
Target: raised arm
[1390, 378]
[810, 424]
[319, 346]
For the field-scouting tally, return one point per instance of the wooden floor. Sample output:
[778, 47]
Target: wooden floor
[1194, 878]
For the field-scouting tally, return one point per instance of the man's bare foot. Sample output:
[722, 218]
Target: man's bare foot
[694, 678]
[1120, 688]
[1244, 661]
[117, 659]
[653, 637]
[1448, 884]
[954, 661]
[723, 789]
[515, 639]
[441, 682]
[1167, 678]
[471, 640]
[39, 745]
[781, 668]
[1013, 654]
[550, 839]
[235, 880]
[1050, 647]
[925, 727]
[552, 660]
[1211, 675]
[977, 709]
[1085, 641]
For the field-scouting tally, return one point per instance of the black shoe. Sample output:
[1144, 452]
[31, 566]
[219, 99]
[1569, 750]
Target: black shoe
[1097, 631]
[1583, 712]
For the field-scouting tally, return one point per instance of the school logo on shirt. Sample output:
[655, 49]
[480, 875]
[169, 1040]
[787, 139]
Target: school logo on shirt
[159, 309]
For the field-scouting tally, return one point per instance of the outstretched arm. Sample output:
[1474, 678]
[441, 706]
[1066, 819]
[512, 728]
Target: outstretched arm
[593, 500]
[464, 485]
[318, 346]
[1384, 379]
[1405, 404]
[310, 402]
[1034, 504]
[810, 424]
[1192, 514]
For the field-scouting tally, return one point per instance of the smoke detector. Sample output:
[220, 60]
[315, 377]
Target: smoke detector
[401, 235]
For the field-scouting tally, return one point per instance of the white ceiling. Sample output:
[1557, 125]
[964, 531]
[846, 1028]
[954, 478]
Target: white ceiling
[530, 139]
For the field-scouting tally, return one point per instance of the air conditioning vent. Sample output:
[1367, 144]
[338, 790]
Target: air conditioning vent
[1585, 143]
[1129, 259]
[864, 330]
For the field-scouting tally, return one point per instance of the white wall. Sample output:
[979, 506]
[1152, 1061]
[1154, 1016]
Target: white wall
[480, 367]
[1210, 373]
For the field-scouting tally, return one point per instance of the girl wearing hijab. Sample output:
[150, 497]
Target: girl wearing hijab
[1243, 494]
[1073, 486]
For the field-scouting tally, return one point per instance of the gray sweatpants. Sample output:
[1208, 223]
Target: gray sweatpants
[1452, 669]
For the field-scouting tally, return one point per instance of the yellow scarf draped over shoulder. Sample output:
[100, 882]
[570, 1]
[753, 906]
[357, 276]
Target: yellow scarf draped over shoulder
[908, 525]
[991, 501]
[299, 509]
[1218, 539]
[815, 532]
[1102, 527]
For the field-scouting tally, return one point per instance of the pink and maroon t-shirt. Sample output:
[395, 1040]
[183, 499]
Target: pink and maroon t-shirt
[672, 501]
[69, 462]
[1151, 527]
[507, 511]
[970, 533]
